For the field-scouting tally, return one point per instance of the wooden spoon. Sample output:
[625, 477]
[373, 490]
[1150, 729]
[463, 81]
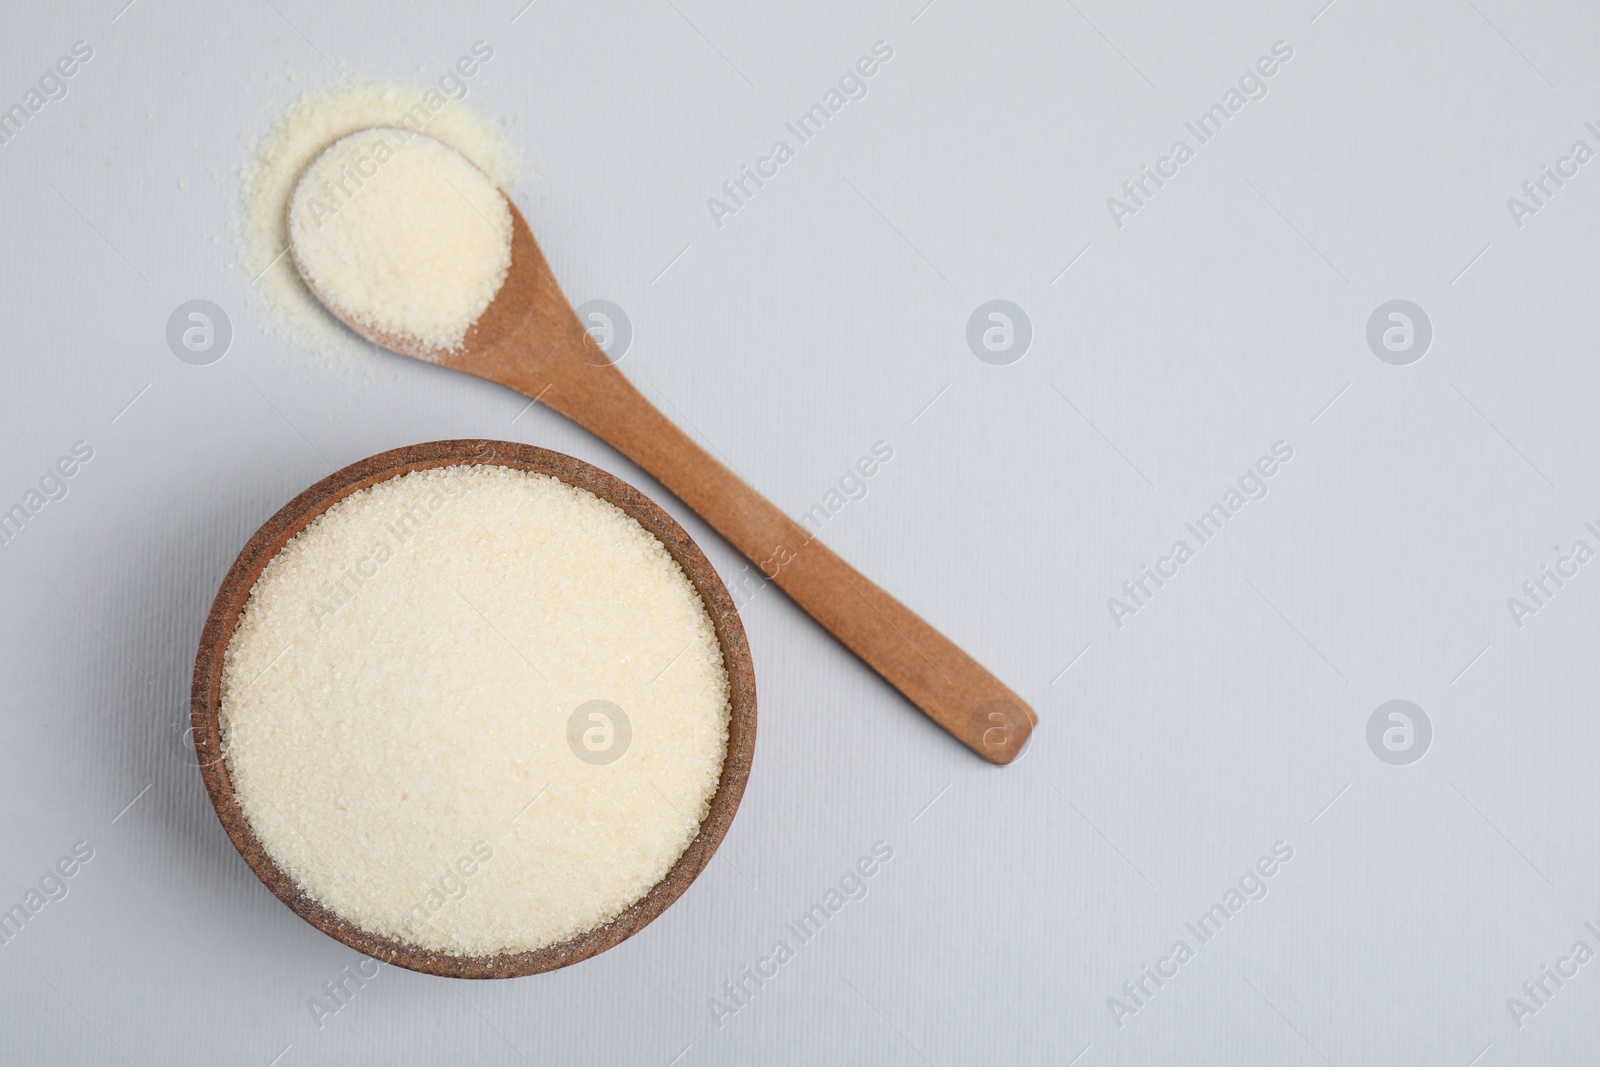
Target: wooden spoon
[530, 339]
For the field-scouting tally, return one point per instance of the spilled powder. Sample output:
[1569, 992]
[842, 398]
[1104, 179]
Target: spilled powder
[396, 702]
[401, 234]
[277, 160]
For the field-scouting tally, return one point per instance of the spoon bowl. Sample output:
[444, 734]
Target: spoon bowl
[529, 339]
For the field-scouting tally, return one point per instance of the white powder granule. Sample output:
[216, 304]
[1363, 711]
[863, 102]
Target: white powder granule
[396, 701]
[310, 125]
[402, 234]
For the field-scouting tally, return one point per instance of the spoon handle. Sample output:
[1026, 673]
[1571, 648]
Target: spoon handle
[951, 687]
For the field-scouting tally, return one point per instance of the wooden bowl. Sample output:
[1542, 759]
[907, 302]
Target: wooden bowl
[205, 700]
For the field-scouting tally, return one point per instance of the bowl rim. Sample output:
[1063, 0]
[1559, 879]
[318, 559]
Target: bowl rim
[234, 591]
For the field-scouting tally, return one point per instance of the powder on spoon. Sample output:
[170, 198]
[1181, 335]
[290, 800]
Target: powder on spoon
[402, 234]
[304, 130]
[407, 713]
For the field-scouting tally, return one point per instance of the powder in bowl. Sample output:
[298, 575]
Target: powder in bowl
[474, 709]
[401, 233]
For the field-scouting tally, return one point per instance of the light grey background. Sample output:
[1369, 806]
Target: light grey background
[1228, 714]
